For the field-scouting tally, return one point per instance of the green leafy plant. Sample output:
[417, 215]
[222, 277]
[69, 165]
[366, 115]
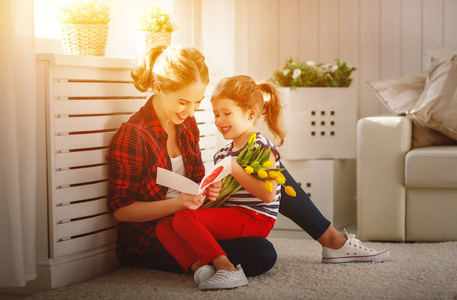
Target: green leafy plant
[309, 74]
[84, 11]
[155, 18]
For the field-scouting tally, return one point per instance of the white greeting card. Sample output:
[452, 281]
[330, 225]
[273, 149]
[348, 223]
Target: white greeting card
[185, 185]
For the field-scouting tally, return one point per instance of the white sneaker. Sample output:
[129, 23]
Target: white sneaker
[353, 251]
[224, 279]
[204, 273]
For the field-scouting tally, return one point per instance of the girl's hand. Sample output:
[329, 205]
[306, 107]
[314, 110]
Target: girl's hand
[213, 190]
[192, 202]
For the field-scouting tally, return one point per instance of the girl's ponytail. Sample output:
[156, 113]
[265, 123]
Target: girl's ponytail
[272, 110]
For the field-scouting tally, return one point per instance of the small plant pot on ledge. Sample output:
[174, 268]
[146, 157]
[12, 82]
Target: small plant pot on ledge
[148, 39]
[84, 38]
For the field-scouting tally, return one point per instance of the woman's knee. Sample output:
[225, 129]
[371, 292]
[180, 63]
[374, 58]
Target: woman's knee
[164, 226]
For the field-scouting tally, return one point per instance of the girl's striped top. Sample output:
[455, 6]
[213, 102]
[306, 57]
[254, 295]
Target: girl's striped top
[242, 197]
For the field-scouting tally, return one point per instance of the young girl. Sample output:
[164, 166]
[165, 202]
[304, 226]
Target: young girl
[190, 236]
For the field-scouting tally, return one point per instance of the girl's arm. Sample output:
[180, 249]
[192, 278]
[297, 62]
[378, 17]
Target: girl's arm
[253, 185]
[148, 211]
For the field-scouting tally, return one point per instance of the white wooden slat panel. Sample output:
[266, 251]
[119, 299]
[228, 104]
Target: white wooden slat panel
[329, 30]
[207, 155]
[308, 30]
[83, 107]
[82, 192]
[262, 60]
[369, 56]
[411, 33]
[432, 24]
[82, 175]
[450, 23]
[84, 89]
[87, 73]
[88, 242]
[81, 158]
[204, 116]
[80, 210]
[84, 226]
[206, 102]
[208, 142]
[390, 64]
[207, 129]
[288, 30]
[78, 124]
[82, 141]
[241, 47]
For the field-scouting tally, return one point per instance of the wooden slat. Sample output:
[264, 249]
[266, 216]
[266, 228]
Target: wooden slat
[83, 107]
[84, 226]
[207, 155]
[77, 176]
[308, 30]
[432, 24]
[88, 242]
[83, 141]
[288, 30]
[328, 30]
[81, 158]
[88, 73]
[450, 22]
[208, 142]
[204, 116]
[79, 124]
[83, 192]
[411, 47]
[80, 210]
[207, 129]
[85, 89]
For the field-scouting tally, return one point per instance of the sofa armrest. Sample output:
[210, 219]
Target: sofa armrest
[382, 143]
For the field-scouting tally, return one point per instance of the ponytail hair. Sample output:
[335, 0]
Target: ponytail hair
[247, 94]
[172, 67]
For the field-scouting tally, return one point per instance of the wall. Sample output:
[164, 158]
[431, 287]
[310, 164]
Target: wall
[381, 38]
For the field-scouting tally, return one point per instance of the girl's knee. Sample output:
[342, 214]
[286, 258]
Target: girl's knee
[163, 227]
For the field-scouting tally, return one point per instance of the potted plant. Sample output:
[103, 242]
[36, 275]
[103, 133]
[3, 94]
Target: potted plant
[84, 27]
[154, 26]
[321, 111]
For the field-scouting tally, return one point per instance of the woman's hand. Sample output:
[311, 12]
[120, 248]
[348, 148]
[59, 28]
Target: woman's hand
[213, 190]
[191, 201]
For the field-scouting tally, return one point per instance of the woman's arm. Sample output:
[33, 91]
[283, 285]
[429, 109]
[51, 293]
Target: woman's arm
[253, 185]
[148, 211]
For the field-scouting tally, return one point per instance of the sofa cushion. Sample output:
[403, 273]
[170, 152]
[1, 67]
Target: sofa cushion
[431, 167]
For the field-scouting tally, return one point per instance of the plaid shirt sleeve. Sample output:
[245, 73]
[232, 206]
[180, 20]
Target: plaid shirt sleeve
[126, 164]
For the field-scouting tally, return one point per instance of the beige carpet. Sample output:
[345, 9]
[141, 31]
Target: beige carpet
[414, 271]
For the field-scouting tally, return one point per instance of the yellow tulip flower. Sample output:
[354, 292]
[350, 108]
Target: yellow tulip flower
[273, 175]
[268, 186]
[279, 180]
[262, 174]
[290, 191]
[248, 170]
[267, 164]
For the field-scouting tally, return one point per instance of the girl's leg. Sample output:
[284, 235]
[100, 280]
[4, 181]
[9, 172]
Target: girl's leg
[200, 229]
[302, 210]
[305, 214]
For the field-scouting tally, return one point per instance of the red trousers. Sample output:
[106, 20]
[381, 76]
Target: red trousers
[191, 235]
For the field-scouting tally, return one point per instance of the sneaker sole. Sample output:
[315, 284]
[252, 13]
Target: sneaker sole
[380, 257]
[223, 285]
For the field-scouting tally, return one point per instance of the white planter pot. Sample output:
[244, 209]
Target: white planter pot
[321, 123]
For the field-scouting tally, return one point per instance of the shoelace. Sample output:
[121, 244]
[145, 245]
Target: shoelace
[356, 242]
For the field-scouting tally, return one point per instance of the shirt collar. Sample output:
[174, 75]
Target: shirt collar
[153, 120]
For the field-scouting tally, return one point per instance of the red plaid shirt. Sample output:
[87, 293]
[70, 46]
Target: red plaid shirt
[136, 151]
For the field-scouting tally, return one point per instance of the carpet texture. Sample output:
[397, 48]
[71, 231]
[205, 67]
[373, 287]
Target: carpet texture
[414, 271]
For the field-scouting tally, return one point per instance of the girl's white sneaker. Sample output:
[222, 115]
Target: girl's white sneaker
[353, 251]
[204, 273]
[224, 279]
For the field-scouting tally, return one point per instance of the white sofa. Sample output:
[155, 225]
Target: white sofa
[403, 194]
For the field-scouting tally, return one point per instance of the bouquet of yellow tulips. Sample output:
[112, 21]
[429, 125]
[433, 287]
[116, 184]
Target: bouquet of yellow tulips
[254, 163]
